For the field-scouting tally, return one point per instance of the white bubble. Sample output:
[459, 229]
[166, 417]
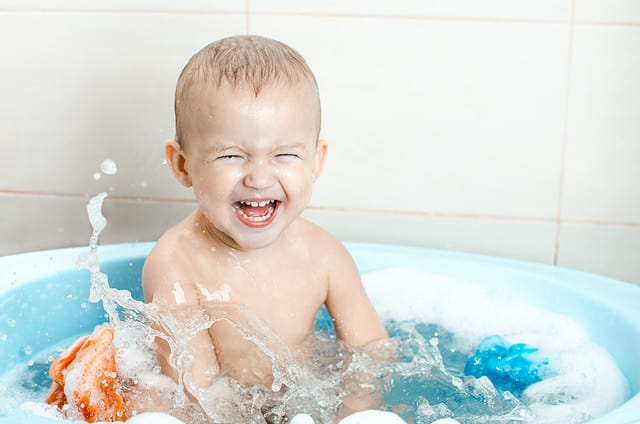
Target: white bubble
[28, 350]
[11, 323]
[97, 176]
[109, 167]
[3, 337]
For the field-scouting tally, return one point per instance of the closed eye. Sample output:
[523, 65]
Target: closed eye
[288, 157]
[229, 157]
[224, 158]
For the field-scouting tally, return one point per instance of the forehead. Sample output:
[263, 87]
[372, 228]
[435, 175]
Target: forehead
[210, 91]
[224, 97]
[278, 109]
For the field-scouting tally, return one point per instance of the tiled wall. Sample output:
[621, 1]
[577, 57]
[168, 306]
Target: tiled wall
[502, 127]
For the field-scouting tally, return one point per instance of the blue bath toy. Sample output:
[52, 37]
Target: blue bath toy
[511, 368]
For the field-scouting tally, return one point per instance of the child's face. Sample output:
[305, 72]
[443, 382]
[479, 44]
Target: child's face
[252, 160]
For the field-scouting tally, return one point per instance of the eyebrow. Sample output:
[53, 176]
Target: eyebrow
[292, 146]
[226, 147]
[231, 146]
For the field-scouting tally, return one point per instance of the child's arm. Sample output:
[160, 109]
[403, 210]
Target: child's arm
[163, 281]
[355, 319]
[359, 326]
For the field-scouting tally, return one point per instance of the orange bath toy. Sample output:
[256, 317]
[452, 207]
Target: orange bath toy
[85, 378]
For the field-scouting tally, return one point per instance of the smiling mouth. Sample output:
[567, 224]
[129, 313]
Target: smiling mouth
[256, 214]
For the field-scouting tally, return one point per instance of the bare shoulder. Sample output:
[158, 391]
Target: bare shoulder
[331, 254]
[166, 269]
[324, 246]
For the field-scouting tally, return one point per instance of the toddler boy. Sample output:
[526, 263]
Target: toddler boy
[247, 127]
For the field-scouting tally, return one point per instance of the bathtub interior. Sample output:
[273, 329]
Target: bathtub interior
[43, 298]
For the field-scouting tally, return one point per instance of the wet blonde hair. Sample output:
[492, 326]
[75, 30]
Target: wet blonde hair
[247, 61]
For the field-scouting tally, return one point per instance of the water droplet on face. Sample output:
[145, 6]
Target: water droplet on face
[109, 167]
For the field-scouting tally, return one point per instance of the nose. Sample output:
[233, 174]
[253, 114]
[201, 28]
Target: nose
[259, 176]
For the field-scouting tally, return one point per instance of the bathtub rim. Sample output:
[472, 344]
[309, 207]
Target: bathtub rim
[622, 296]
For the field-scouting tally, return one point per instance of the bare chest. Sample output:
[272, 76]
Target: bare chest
[282, 295]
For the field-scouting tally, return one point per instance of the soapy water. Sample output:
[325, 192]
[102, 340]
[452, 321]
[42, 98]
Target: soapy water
[425, 383]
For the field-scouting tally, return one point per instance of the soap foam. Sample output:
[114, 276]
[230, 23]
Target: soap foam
[588, 382]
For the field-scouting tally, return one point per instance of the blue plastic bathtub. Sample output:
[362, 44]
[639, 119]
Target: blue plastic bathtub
[43, 300]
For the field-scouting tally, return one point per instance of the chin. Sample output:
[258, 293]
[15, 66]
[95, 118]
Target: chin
[254, 243]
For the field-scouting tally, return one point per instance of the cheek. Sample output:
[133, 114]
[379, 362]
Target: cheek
[214, 186]
[296, 181]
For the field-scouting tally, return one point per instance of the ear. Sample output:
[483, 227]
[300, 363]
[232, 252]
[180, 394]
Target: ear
[176, 160]
[321, 154]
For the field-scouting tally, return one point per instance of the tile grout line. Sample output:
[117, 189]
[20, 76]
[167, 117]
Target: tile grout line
[469, 216]
[565, 131]
[42, 11]
[353, 15]
[247, 14]
[494, 19]
[432, 214]
[86, 196]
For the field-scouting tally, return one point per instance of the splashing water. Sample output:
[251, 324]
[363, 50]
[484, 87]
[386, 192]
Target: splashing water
[224, 401]
[315, 386]
[108, 167]
[425, 383]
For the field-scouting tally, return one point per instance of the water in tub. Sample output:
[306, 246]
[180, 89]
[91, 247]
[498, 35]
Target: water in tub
[436, 322]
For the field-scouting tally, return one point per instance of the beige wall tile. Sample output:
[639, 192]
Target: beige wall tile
[436, 116]
[146, 5]
[80, 88]
[625, 11]
[133, 221]
[48, 222]
[452, 108]
[503, 9]
[603, 152]
[609, 250]
[528, 240]
[37, 222]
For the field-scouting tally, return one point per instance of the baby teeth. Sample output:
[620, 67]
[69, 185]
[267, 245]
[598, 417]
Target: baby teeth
[256, 204]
